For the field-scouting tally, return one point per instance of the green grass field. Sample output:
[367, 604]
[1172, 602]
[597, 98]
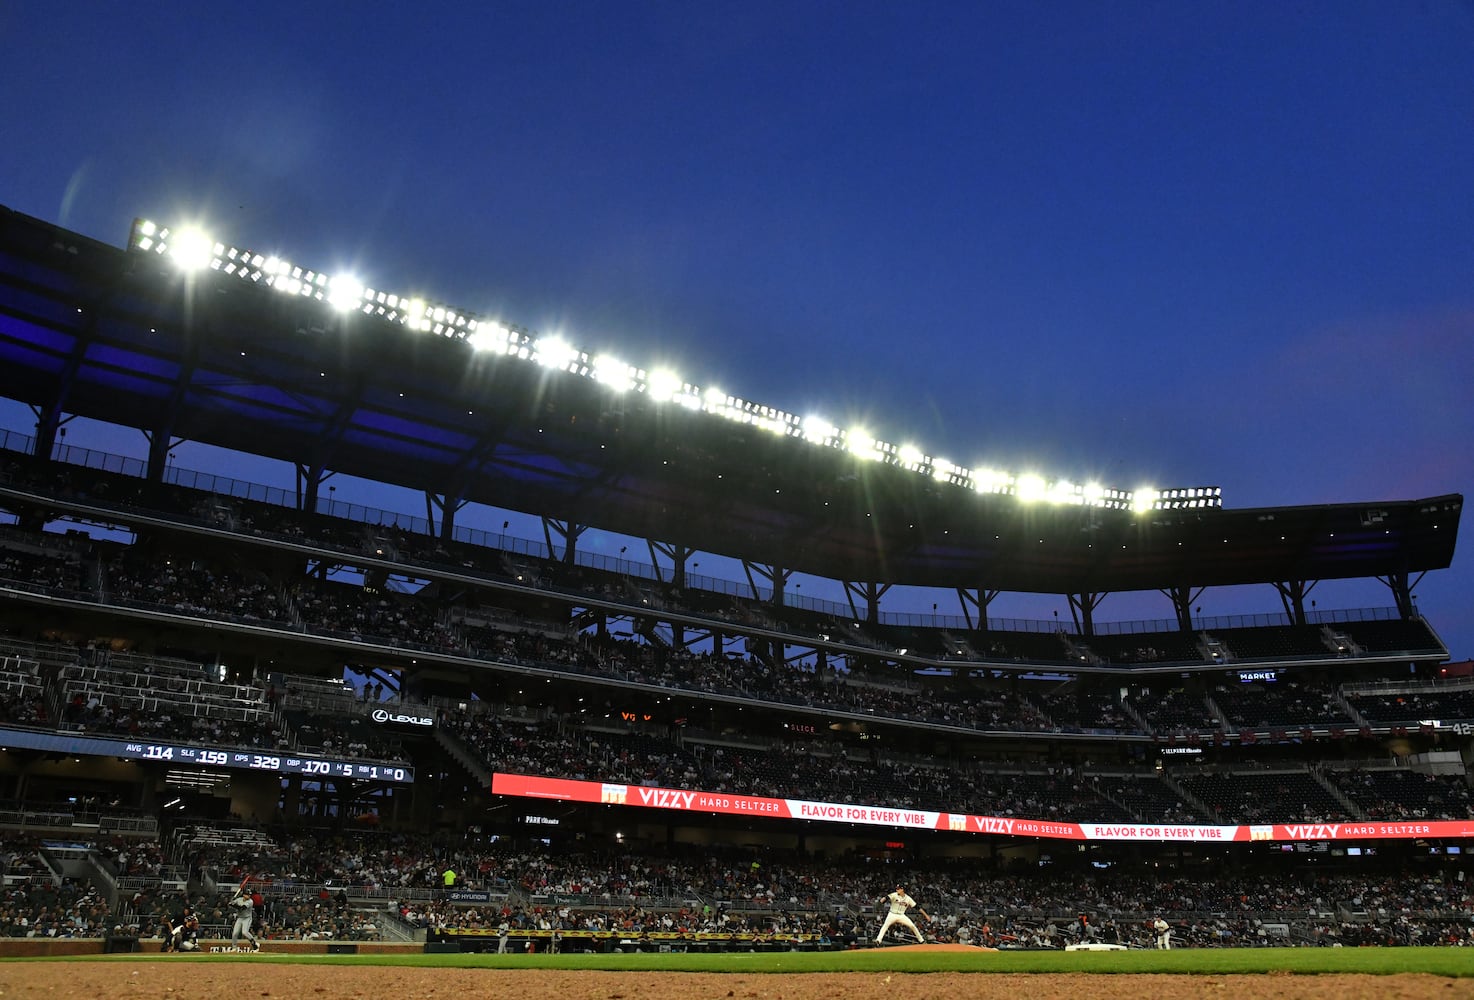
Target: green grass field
[1456, 962]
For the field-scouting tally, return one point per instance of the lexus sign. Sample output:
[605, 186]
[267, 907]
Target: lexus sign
[384, 716]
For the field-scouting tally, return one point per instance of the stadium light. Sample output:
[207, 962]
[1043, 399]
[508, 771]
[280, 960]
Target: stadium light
[663, 384]
[820, 431]
[487, 337]
[191, 250]
[614, 373]
[345, 292]
[861, 444]
[714, 400]
[554, 352]
[1064, 492]
[1030, 488]
[991, 481]
[774, 421]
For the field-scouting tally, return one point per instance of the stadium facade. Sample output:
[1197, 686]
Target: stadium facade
[176, 642]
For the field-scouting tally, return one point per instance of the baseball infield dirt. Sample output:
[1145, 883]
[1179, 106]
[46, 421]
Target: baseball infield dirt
[249, 979]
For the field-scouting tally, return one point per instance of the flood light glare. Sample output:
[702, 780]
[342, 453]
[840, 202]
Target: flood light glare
[860, 443]
[1064, 492]
[987, 480]
[191, 249]
[344, 292]
[488, 336]
[614, 373]
[662, 384]
[1030, 487]
[818, 430]
[554, 352]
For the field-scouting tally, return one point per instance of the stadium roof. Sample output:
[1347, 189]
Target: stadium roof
[128, 338]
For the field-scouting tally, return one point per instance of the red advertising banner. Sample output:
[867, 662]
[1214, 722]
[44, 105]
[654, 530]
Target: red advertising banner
[571, 790]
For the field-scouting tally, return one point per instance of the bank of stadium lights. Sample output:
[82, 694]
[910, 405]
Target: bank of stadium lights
[488, 338]
[858, 442]
[910, 457]
[557, 354]
[1030, 488]
[616, 374]
[817, 430]
[665, 386]
[193, 250]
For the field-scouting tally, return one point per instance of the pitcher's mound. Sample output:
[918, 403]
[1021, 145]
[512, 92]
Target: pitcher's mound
[937, 947]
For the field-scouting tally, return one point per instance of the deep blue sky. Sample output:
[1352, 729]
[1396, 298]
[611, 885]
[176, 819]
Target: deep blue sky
[1147, 242]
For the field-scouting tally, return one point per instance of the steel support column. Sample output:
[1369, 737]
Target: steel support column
[678, 556]
[161, 445]
[775, 576]
[568, 533]
[1082, 610]
[309, 485]
[448, 505]
[1292, 596]
[1402, 593]
[978, 600]
[870, 594]
[1183, 597]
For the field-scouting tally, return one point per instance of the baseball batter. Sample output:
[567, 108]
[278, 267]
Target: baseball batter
[245, 910]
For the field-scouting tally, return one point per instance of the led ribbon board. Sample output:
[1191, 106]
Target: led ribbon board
[904, 817]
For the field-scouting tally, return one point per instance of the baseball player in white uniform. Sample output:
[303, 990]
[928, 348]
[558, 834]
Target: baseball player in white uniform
[1164, 934]
[900, 903]
[244, 908]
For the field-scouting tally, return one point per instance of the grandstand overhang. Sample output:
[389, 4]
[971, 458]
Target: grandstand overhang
[90, 329]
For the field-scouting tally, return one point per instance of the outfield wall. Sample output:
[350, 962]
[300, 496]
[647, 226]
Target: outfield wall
[67, 947]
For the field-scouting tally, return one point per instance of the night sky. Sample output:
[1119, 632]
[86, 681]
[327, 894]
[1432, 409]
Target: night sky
[1144, 243]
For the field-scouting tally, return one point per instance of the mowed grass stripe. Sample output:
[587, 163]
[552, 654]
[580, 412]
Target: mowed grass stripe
[1456, 962]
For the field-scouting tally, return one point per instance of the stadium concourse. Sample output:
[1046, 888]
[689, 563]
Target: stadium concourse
[404, 731]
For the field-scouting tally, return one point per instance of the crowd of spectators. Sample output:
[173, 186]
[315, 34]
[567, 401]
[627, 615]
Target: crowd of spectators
[391, 539]
[193, 585]
[867, 686]
[342, 736]
[328, 886]
[560, 748]
[853, 685]
[131, 857]
[824, 770]
[351, 612]
[318, 885]
[39, 909]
